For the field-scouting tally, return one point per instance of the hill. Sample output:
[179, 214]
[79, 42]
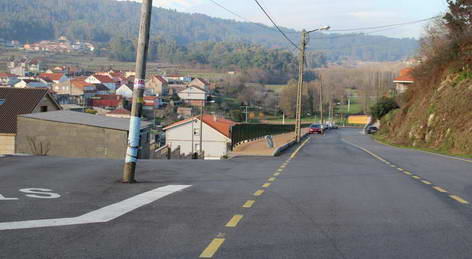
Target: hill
[98, 20]
[435, 112]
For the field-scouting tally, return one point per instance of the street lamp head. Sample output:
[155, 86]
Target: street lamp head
[325, 28]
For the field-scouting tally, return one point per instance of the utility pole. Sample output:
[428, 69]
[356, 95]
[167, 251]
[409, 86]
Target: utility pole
[201, 129]
[138, 91]
[321, 100]
[301, 67]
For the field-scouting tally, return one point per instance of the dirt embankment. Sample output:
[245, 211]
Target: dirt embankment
[437, 117]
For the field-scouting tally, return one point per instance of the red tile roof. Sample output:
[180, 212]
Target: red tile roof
[51, 76]
[221, 125]
[405, 76]
[79, 83]
[103, 79]
[18, 101]
[7, 75]
[160, 78]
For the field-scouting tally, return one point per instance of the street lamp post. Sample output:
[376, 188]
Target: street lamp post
[300, 79]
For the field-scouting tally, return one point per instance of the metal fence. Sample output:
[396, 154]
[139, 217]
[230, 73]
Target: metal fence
[243, 132]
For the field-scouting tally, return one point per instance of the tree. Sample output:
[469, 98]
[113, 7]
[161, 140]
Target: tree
[459, 18]
[382, 107]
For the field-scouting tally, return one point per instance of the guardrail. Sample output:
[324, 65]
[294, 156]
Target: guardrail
[247, 132]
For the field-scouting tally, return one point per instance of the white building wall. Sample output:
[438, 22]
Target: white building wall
[124, 91]
[192, 93]
[215, 145]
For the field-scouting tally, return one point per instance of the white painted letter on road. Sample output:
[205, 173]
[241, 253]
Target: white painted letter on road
[40, 193]
[3, 198]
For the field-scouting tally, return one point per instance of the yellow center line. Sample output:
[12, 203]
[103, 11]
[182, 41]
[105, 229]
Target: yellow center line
[248, 203]
[276, 174]
[258, 192]
[266, 185]
[459, 199]
[416, 177]
[280, 170]
[282, 166]
[233, 222]
[212, 248]
[439, 189]
[298, 149]
[407, 173]
[393, 166]
[400, 169]
[426, 182]
[271, 179]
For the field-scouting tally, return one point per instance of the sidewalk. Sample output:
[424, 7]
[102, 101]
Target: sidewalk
[259, 147]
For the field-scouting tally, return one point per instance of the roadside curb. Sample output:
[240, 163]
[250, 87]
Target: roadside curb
[281, 149]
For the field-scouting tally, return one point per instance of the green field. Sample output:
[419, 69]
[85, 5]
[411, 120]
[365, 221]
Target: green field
[276, 88]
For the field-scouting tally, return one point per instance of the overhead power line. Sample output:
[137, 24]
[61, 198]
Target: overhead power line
[246, 19]
[276, 26]
[386, 26]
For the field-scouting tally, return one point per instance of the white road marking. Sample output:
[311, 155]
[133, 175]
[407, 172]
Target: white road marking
[40, 193]
[102, 215]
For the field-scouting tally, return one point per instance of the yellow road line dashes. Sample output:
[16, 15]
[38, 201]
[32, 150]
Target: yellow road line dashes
[258, 192]
[280, 170]
[401, 169]
[459, 199]
[271, 179]
[233, 222]
[212, 248]
[248, 203]
[276, 174]
[266, 185]
[426, 182]
[439, 189]
[407, 173]
[416, 177]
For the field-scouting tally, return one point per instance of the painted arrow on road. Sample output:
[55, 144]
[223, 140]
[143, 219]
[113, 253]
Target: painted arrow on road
[102, 215]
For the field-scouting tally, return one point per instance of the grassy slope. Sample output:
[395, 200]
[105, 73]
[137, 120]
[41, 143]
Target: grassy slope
[435, 118]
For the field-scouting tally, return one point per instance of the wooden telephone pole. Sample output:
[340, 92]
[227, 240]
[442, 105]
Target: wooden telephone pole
[138, 92]
[301, 67]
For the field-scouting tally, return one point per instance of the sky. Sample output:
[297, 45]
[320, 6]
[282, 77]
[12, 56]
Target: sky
[312, 14]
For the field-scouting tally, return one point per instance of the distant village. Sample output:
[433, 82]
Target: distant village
[61, 45]
[32, 93]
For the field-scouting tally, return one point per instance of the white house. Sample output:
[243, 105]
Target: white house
[56, 78]
[30, 83]
[404, 81]
[101, 79]
[193, 95]
[125, 90]
[216, 136]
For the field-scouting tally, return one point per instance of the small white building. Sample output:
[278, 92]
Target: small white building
[102, 79]
[125, 90]
[216, 136]
[404, 81]
[193, 95]
[30, 83]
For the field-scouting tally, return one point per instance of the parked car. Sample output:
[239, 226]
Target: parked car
[316, 128]
[371, 130]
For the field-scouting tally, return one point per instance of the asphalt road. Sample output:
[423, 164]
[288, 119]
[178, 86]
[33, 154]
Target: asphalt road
[341, 195]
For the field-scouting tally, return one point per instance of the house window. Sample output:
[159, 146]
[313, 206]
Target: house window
[44, 108]
[2, 101]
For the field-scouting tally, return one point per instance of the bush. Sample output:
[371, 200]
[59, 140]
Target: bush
[382, 107]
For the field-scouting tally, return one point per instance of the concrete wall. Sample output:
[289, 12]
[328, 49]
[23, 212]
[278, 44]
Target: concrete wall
[7, 144]
[70, 140]
[215, 145]
[46, 101]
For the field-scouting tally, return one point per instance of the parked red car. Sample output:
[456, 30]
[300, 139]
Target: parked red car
[315, 128]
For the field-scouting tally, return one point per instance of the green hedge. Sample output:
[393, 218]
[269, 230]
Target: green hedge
[242, 132]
